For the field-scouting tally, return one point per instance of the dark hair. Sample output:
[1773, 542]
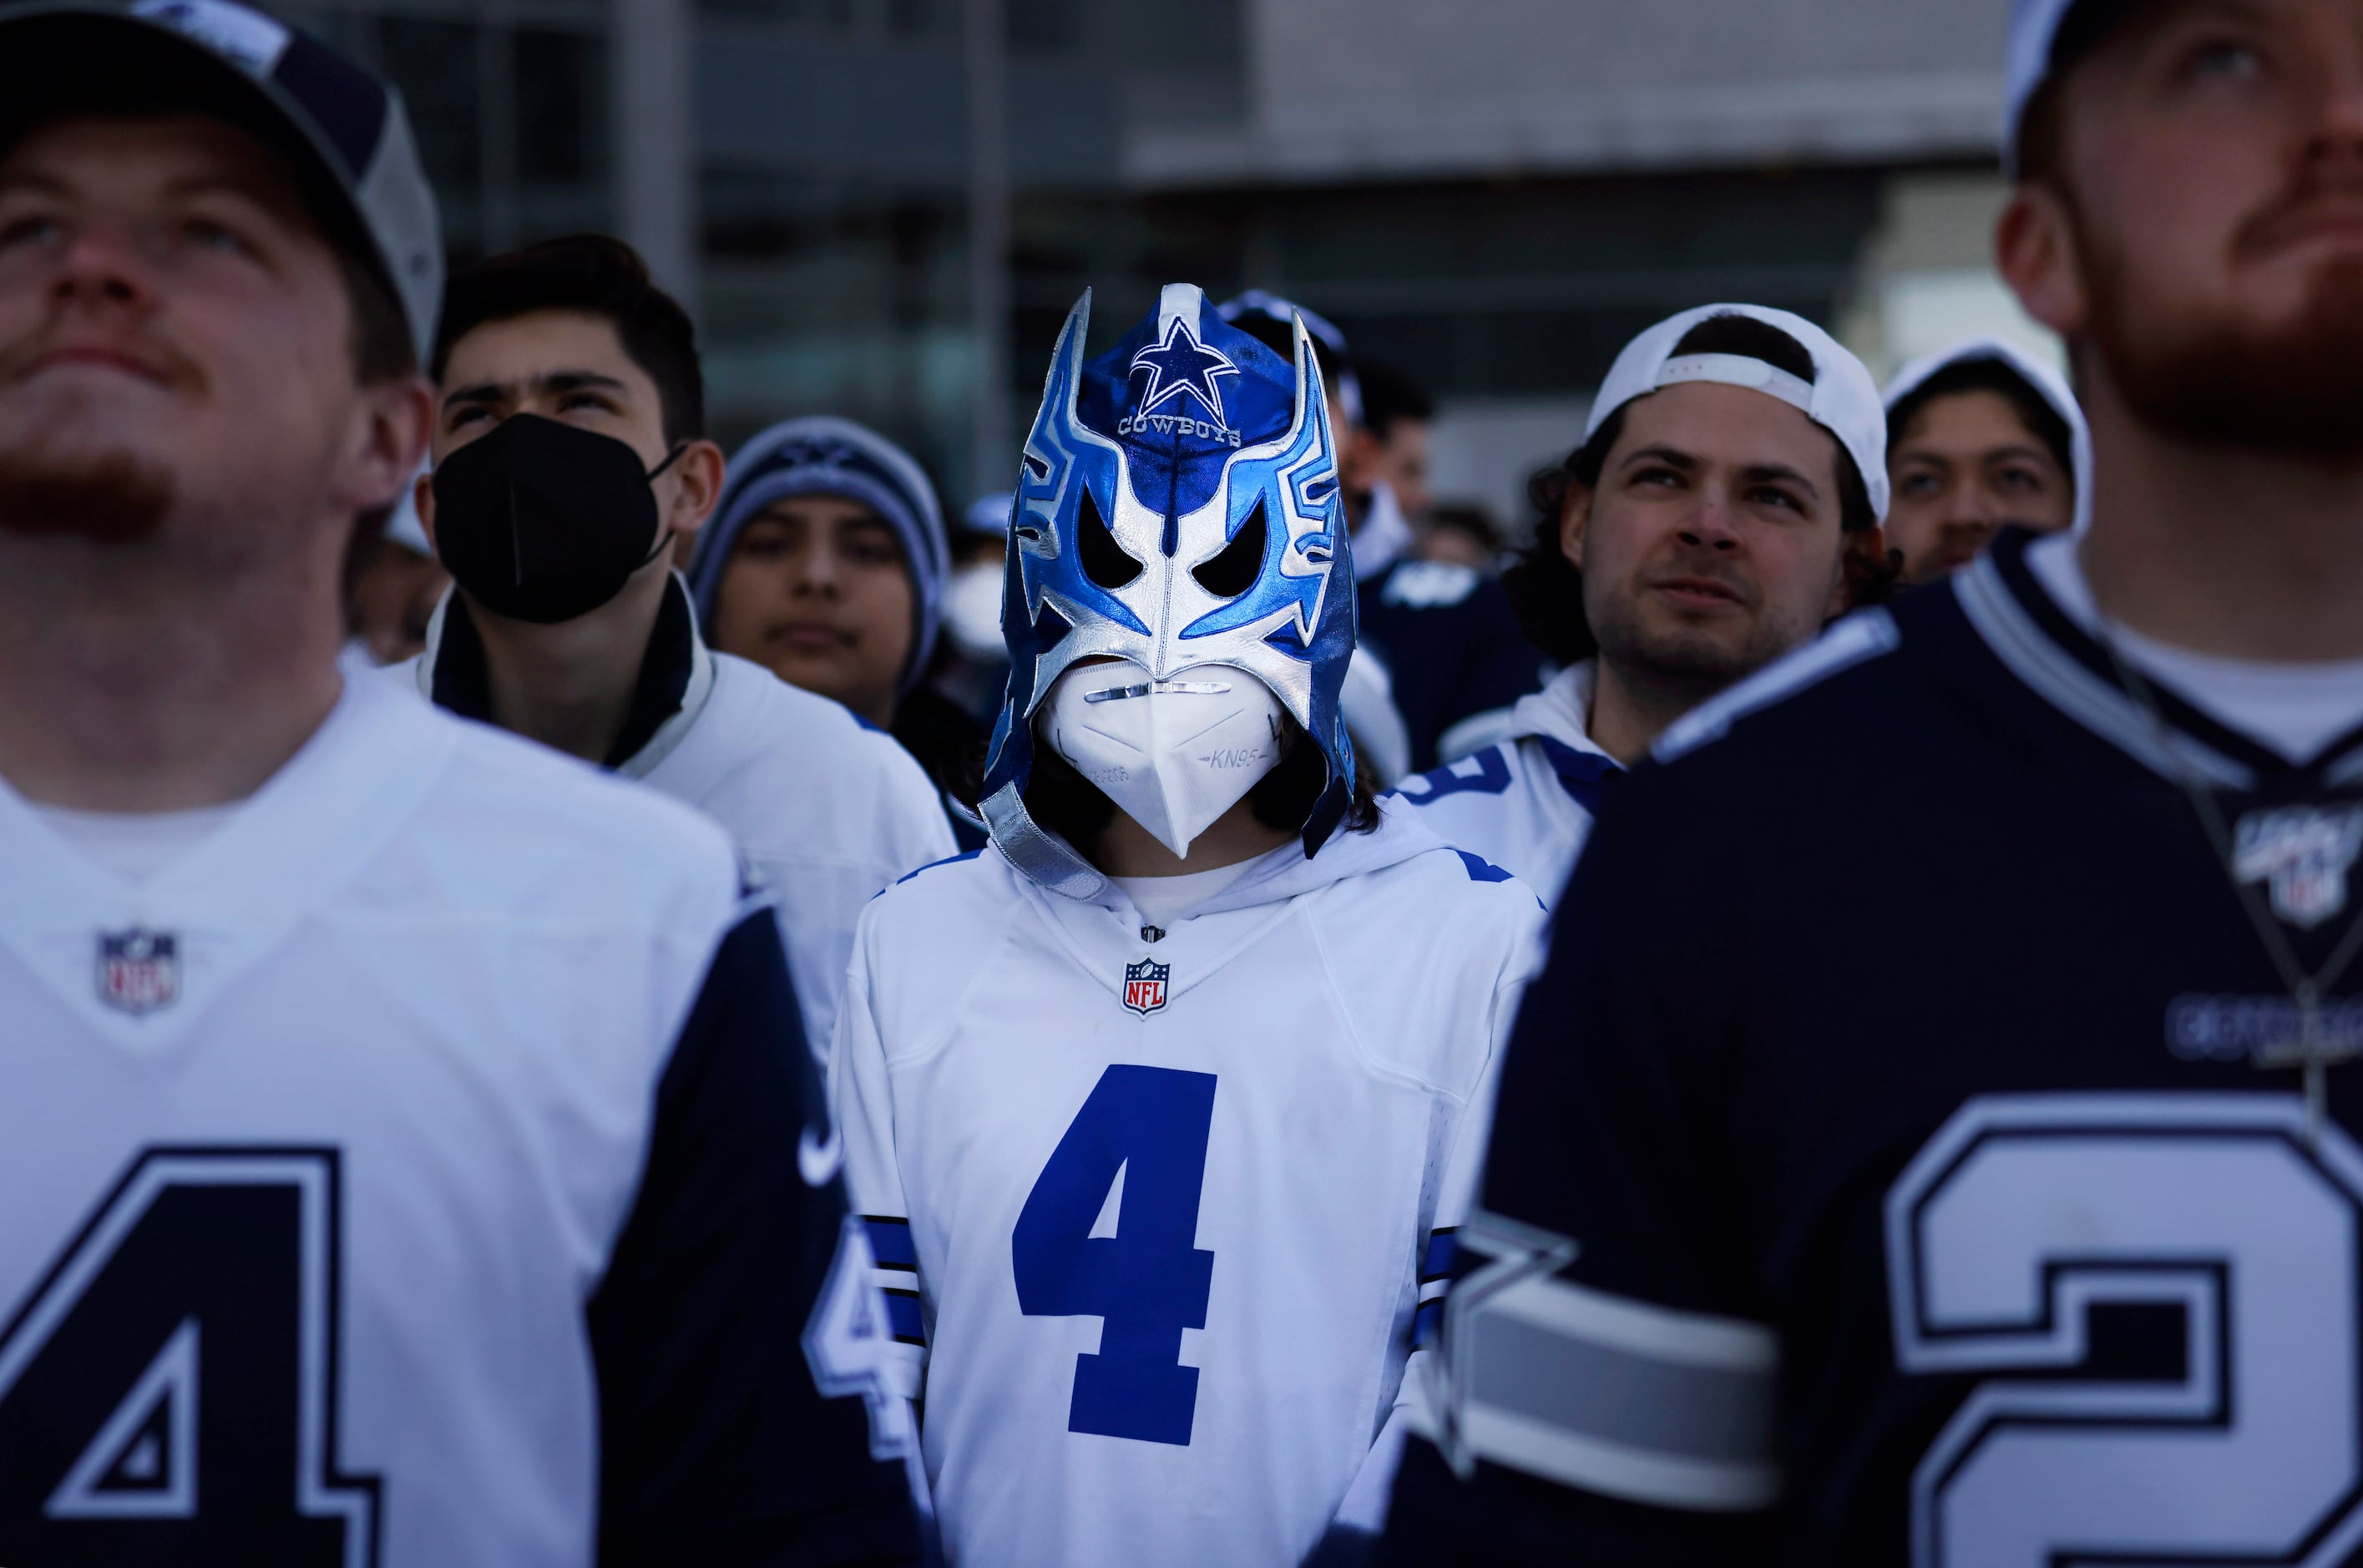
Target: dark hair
[2034, 411]
[587, 275]
[1469, 518]
[1062, 800]
[1545, 591]
[1389, 397]
[138, 77]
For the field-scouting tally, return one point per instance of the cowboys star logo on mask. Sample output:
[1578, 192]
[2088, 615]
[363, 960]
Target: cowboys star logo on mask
[1181, 366]
[1144, 985]
[2302, 853]
[138, 970]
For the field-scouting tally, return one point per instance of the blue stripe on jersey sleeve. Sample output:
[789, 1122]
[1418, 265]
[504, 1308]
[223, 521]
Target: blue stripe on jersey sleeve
[1492, 777]
[948, 860]
[889, 1242]
[1437, 1260]
[1428, 1325]
[1481, 868]
[903, 1318]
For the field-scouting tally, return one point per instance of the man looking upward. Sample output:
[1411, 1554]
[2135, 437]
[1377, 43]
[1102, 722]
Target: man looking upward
[401, 1126]
[2033, 1239]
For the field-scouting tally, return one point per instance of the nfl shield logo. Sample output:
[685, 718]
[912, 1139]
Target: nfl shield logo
[138, 970]
[1144, 985]
[2303, 855]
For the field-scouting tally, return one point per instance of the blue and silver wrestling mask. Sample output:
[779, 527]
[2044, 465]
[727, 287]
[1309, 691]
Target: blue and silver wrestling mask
[1178, 507]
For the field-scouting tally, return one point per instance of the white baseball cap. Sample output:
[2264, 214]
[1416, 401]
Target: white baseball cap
[1841, 398]
[2047, 383]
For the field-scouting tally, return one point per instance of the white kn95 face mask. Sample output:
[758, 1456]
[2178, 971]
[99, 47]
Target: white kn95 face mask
[1174, 754]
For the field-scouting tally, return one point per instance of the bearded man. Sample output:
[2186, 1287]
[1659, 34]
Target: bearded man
[1868, 1194]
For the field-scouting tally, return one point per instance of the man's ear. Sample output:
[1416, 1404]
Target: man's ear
[385, 444]
[1574, 518]
[697, 488]
[1862, 560]
[422, 497]
[2035, 250]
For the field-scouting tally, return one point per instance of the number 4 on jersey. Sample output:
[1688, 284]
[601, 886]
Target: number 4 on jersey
[168, 1392]
[1146, 1128]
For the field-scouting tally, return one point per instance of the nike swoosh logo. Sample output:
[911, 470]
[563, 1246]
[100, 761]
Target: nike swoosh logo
[818, 1162]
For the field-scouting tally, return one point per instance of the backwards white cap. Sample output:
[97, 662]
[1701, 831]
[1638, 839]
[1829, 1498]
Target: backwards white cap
[2048, 385]
[1841, 398]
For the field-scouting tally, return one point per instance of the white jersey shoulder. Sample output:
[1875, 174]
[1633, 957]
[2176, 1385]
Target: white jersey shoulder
[383, 1047]
[1525, 802]
[1507, 804]
[827, 810]
[1115, 1176]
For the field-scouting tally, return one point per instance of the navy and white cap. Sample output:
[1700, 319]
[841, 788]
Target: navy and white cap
[1841, 398]
[318, 105]
[826, 456]
[2046, 38]
[1271, 307]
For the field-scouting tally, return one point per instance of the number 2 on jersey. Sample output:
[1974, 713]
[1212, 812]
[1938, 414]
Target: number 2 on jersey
[2022, 1242]
[1145, 1129]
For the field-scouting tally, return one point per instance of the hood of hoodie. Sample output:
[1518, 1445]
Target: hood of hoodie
[2047, 383]
[1103, 931]
[1279, 875]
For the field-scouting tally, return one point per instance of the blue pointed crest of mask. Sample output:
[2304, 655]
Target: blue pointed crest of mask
[1177, 506]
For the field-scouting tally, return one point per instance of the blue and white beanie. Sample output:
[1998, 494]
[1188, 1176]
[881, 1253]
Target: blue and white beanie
[826, 456]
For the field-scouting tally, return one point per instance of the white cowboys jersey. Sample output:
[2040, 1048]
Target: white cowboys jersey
[405, 1177]
[1156, 1216]
[1526, 804]
[827, 809]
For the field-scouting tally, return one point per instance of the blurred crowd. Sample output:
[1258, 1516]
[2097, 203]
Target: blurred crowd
[830, 558]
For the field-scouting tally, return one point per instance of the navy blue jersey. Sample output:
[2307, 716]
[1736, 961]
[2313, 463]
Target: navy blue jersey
[1452, 644]
[1883, 1168]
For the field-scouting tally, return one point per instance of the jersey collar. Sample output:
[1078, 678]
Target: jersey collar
[292, 846]
[2042, 645]
[676, 678]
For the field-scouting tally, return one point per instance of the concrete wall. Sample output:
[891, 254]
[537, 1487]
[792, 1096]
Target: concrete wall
[1390, 89]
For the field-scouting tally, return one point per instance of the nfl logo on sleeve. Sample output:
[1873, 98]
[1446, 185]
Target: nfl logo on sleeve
[1144, 985]
[138, 970]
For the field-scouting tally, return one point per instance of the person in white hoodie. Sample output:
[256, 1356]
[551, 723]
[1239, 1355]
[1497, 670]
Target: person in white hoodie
[1160, 1140]
[1724, 505]
[570, 457]
[1980, 436]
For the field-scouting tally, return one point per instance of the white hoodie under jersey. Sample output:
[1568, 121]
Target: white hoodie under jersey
[827, 809]
[1156, 1210]
[1526, 803]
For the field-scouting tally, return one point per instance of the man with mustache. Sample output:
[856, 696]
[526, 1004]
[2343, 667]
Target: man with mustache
[1862, 1193]
[1726, 503]
[401, 1126]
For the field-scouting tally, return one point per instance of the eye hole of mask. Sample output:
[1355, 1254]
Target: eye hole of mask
[1234, 571]
[1105, 562]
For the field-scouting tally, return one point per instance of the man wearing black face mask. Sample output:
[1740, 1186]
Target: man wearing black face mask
[569, 455]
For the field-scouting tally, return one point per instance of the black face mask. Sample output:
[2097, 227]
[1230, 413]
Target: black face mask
[542, 522]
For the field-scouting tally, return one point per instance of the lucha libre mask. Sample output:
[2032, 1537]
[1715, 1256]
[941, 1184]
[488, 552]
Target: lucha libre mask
[1177, 509]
